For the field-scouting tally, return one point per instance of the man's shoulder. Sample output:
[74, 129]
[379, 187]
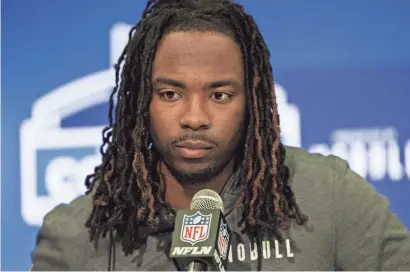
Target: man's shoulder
[63, 239]
[313, 170]
[67, 220]
[298, 159]
[70, 213]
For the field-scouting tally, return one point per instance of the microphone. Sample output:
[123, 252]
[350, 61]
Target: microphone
[201, 238]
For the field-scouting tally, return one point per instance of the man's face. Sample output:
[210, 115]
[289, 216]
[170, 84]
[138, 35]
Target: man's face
[197, 112]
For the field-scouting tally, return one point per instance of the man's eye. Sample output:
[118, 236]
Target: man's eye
[219, 96]
[170, 95]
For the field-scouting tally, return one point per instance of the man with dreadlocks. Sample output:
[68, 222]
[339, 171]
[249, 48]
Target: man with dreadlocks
[197, 109]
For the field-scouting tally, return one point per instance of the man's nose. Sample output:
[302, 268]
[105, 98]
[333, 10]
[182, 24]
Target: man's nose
[195, 115]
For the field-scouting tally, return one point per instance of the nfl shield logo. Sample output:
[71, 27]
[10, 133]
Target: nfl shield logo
[195, 228]
[223, 240]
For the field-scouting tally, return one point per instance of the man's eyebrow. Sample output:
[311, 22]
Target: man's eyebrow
[211, 85]
[222, 83]
[169, 81]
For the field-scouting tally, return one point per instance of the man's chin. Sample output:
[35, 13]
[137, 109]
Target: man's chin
[194, 175]
[192, 178]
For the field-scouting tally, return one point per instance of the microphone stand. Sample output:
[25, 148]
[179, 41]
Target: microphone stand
[196, 266]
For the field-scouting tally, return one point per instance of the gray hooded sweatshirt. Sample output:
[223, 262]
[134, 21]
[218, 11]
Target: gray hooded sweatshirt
[350, 227]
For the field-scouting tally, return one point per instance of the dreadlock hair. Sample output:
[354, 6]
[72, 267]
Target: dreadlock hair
[127, 188]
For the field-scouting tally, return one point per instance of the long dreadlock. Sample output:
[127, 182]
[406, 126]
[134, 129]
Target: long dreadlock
[128, 191]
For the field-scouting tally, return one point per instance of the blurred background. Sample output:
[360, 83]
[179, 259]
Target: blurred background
[342, 71]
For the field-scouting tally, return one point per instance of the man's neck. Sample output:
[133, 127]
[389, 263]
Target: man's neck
[179, 195]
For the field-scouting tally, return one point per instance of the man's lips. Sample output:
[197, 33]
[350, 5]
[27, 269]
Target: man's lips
[194, 145]
[193, 150]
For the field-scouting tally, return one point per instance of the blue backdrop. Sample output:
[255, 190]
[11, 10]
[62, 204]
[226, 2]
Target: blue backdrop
[342, 70]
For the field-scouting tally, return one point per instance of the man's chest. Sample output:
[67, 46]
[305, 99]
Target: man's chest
[303, 248]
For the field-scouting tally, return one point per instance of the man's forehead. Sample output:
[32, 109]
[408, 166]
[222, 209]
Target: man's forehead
[208, 54]
[196, 44]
